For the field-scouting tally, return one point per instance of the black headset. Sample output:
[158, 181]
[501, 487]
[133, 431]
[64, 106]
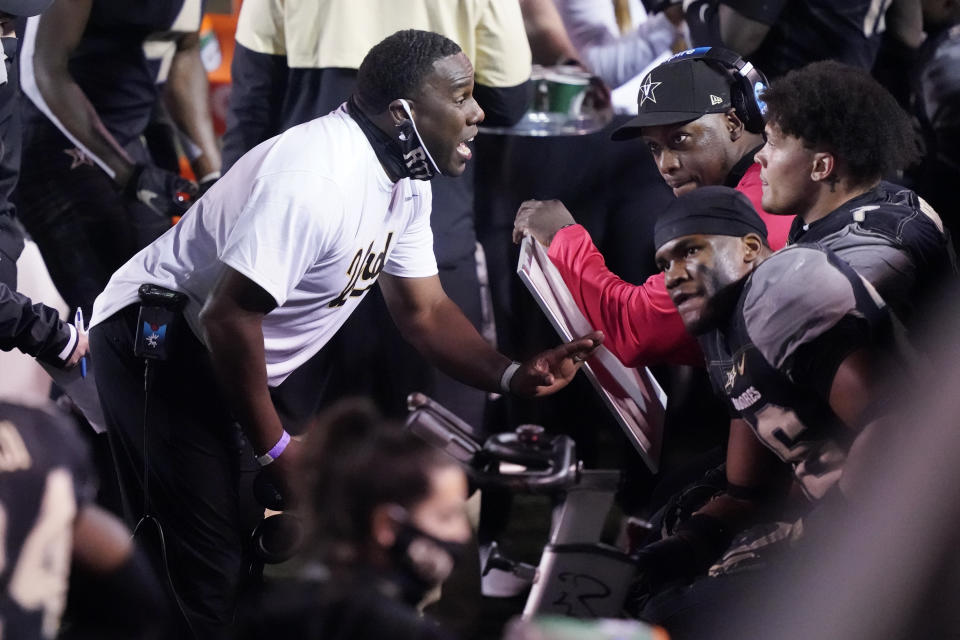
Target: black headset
[747, 82]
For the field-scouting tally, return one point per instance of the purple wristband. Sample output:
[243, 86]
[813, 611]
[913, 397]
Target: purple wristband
[275, 452]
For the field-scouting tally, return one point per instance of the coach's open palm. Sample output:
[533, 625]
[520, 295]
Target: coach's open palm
[552, 370]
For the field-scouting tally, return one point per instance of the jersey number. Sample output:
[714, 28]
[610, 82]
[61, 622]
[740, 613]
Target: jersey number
[38, 581]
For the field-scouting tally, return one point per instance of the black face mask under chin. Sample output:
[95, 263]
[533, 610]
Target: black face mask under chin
[422, 561]
[416, 157]
[403, 155]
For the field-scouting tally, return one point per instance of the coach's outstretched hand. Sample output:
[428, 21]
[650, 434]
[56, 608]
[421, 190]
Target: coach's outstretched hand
[552, 370]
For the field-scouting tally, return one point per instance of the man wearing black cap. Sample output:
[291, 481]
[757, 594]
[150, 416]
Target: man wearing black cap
[32, 328]
[700, 117]
[793, 343]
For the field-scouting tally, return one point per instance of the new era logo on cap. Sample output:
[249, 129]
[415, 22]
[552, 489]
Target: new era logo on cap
[677, 91]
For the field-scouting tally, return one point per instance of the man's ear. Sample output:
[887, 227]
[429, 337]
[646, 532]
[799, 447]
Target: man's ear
[397, 112]
[383, 525]
[752, 247]
[735, 126]
[824, 166]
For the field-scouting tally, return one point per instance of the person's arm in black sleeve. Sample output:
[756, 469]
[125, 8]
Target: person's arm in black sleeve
[503, 106]
[259, 84]
[36, 329]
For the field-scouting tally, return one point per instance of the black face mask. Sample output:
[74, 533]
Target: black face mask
[405, 155]
[416, 157]
[422, 561]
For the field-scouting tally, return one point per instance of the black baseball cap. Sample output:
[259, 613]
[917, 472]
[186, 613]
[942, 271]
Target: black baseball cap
[24, 8]
[679, 90]
[713, 210]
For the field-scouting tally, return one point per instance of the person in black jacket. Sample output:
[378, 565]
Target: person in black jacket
[34, 329]
[386, 521]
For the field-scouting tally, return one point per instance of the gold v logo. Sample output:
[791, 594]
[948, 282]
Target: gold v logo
[735, 370]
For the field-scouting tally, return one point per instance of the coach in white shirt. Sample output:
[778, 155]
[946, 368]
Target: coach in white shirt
[273, 259]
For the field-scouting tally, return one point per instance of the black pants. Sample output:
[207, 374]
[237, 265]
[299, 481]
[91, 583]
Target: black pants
[197, 465]
[85, 229]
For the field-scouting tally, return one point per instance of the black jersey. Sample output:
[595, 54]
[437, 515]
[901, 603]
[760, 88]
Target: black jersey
[799, 315]
[121, 60]
[893, 239]
[44, 479]
[804, 31]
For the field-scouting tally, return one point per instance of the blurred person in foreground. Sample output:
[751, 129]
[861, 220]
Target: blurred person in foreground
[386, 520]
[53, 534]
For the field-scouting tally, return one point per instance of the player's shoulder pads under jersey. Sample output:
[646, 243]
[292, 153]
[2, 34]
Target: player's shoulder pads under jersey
[798, 294]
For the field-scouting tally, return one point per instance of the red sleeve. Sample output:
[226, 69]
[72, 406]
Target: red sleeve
[778, 227]
[640, 323]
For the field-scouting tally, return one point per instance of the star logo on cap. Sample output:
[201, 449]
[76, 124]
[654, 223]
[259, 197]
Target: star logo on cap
[647, 89]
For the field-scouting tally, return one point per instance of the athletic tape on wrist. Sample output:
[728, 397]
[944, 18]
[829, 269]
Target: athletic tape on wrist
[275, 452]
[507, 376]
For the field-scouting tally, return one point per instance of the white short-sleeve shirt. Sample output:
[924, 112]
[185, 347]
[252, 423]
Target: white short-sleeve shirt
[312, 217]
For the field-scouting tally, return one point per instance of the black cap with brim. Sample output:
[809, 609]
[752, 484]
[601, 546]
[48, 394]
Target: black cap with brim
[634, 128]
[679, 90]
[24, 8]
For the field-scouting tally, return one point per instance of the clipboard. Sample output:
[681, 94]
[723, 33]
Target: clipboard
[634, 397]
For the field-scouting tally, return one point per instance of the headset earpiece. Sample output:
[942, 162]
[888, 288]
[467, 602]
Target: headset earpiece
[747, 82]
